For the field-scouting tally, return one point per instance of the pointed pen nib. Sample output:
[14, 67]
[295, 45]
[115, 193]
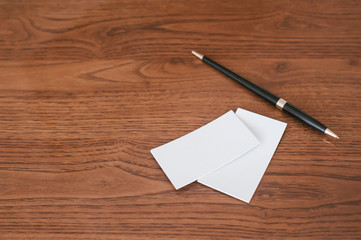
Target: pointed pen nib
[332, 134]
[198, 55]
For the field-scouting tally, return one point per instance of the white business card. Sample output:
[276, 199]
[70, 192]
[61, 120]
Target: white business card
[205, 150]
[241, 177]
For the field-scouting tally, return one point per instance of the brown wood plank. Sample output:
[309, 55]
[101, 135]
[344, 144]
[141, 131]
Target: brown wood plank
[88, 87]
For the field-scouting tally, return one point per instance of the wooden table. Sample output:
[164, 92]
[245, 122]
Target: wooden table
[89, 87]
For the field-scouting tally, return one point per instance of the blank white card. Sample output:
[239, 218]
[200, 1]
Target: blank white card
[241, 177]
[204, 150]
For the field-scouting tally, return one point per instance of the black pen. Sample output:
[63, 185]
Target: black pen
[280, 103]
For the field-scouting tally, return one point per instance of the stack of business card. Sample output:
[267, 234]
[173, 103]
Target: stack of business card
[229, 154]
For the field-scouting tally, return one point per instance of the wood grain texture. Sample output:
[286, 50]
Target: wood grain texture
[88, 87]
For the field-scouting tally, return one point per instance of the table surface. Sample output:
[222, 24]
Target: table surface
[89, 87]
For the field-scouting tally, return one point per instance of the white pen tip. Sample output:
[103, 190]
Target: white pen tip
[198, 55]
[332, 134]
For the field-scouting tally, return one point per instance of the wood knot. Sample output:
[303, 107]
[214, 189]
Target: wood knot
[281, 67]
[353, 62]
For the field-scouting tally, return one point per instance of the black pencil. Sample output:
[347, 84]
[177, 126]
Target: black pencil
[280, 103]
